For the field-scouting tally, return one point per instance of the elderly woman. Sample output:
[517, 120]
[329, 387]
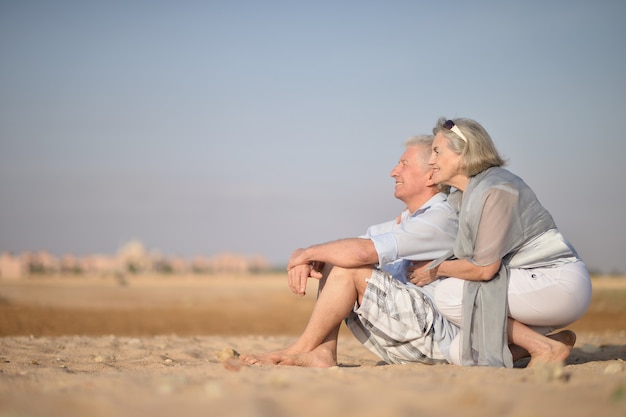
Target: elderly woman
[516, 277]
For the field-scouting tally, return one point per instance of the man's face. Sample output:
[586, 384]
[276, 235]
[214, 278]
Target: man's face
[412, 175]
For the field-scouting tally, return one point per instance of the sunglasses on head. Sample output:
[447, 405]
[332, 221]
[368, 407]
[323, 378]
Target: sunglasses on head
[450, 125]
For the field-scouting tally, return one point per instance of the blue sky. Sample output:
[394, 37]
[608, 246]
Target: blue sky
[259, 127]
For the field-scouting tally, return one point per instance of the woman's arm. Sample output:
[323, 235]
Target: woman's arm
[491, 245]
[460, 268]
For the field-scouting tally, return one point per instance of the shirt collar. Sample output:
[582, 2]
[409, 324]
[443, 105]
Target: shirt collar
[437, 198]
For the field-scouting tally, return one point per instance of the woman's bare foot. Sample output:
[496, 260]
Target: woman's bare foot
[319, 357]
[567, 337]
[557, 349]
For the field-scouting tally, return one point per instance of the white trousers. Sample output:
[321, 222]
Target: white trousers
[544, 299]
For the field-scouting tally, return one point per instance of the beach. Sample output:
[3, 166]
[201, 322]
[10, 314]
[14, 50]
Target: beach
[163, 345]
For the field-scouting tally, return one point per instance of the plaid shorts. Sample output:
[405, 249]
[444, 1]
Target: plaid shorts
[395, 322]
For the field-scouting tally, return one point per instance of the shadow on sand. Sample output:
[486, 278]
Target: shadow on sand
[592, 353]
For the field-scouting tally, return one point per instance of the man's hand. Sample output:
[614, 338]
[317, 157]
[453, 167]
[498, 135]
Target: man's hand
[297, 258]
[300, 269]
[299, 274]
[419, 275]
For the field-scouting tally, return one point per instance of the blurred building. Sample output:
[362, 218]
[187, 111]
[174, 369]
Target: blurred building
[131, 258]
[10, 266]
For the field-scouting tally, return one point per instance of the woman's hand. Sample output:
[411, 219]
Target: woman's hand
[419, 275]
[399, 218]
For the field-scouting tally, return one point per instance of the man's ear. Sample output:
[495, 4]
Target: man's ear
[429, 179]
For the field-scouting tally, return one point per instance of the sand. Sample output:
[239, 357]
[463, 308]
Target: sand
[157, 347]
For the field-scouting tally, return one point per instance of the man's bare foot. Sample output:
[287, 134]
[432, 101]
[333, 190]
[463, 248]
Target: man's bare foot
[313, 359]
[319, 357]
[259, 359]
[557, 350]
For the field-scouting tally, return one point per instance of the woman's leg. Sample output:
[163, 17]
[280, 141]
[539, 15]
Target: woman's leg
[449, 297]
[542, 349]
[549, 298]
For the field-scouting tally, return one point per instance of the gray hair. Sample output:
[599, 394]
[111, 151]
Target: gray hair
[478, 152]
[426, 142]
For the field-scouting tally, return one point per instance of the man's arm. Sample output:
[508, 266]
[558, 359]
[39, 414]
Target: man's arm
[345, 253]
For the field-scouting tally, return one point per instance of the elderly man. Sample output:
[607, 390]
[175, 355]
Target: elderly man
[363, 280]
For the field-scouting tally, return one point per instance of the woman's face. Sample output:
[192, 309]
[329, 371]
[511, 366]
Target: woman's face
[447, 165]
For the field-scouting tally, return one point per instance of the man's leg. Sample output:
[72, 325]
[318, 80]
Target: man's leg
[317, 345]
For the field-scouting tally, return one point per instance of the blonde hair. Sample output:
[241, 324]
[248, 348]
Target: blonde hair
[478, 150]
